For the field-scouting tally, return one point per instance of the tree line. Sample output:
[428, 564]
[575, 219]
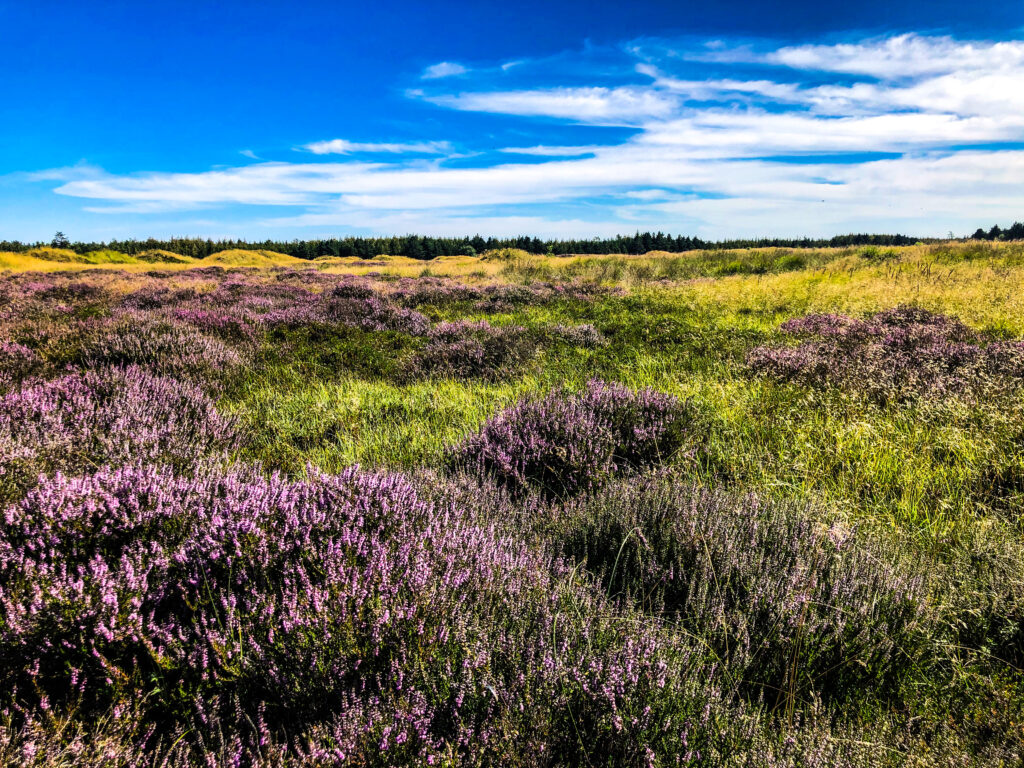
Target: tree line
[1013, 232]
[419, 247]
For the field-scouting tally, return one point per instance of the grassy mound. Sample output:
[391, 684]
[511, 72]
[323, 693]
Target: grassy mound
[108, 257]
[40, 257]
[241, 258]
[64, 255]
[503, 254]
[156, 256]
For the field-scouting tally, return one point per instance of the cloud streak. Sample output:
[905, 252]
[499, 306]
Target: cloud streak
[345, 147]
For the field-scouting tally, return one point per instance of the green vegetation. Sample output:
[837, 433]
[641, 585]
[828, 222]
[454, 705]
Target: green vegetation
[829, 564]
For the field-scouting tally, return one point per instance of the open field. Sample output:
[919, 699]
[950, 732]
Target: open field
[758, 507]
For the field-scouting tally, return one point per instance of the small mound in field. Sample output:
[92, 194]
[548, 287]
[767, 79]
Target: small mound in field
[11, 260]
[44, 258]
[108, 256]
[237, 257]
[156, 256]
[64, 255]
[503, 254]
[67, 256]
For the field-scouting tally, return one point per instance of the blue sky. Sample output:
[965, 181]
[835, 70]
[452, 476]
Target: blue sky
[301, 119]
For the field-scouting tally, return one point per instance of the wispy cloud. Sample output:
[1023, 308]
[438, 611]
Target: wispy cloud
[345, 147]
[542, 150]
[443, 69]
[600, 105]
[879, 128]
[81, 170]
[902, 56]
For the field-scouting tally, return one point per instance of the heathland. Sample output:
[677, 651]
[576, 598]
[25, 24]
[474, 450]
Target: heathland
[753, 507]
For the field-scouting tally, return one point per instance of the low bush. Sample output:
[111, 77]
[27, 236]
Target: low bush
[567, 443]
[169, 348]
[894, 354]
[794, 608]
[81, 421]
[344, 617]
[474, 350]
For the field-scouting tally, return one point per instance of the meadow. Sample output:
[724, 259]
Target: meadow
[754, 507]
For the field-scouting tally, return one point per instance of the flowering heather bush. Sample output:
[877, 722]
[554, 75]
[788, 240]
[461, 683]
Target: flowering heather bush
[466, 350]
[566, 443]
[83, 420]
[437, 291]
[158, 296]
[71, 291]
[344, 615]
[502, 297]
[353, 289]
[370, 314]
[893, 354]
[787, 603]
[171, 349]
[16, 362]
[221, 324]
[374, 313]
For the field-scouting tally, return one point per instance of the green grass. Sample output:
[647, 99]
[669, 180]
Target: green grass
[940, 481]
[931, 469]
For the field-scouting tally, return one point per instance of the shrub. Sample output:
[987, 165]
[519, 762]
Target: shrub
[875, 254]
[467, 350]
[173, 349]
[585, 335]
[793, 607]
[345, 615]
[369, 314]
[221, 324]
[894, 354]
[566, 443]
[16, 362]
[789, 262]
[81, 421]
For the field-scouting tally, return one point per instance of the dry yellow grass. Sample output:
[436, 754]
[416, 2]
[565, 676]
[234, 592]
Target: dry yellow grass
[241, 258]
[28, 262]
[984, 293]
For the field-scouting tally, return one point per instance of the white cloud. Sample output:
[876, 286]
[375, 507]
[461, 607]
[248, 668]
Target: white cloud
[542, 150]
[345, 147]
[443, 69]
[603, 106]
[81, 170]
[700, 159]
[902, 56]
